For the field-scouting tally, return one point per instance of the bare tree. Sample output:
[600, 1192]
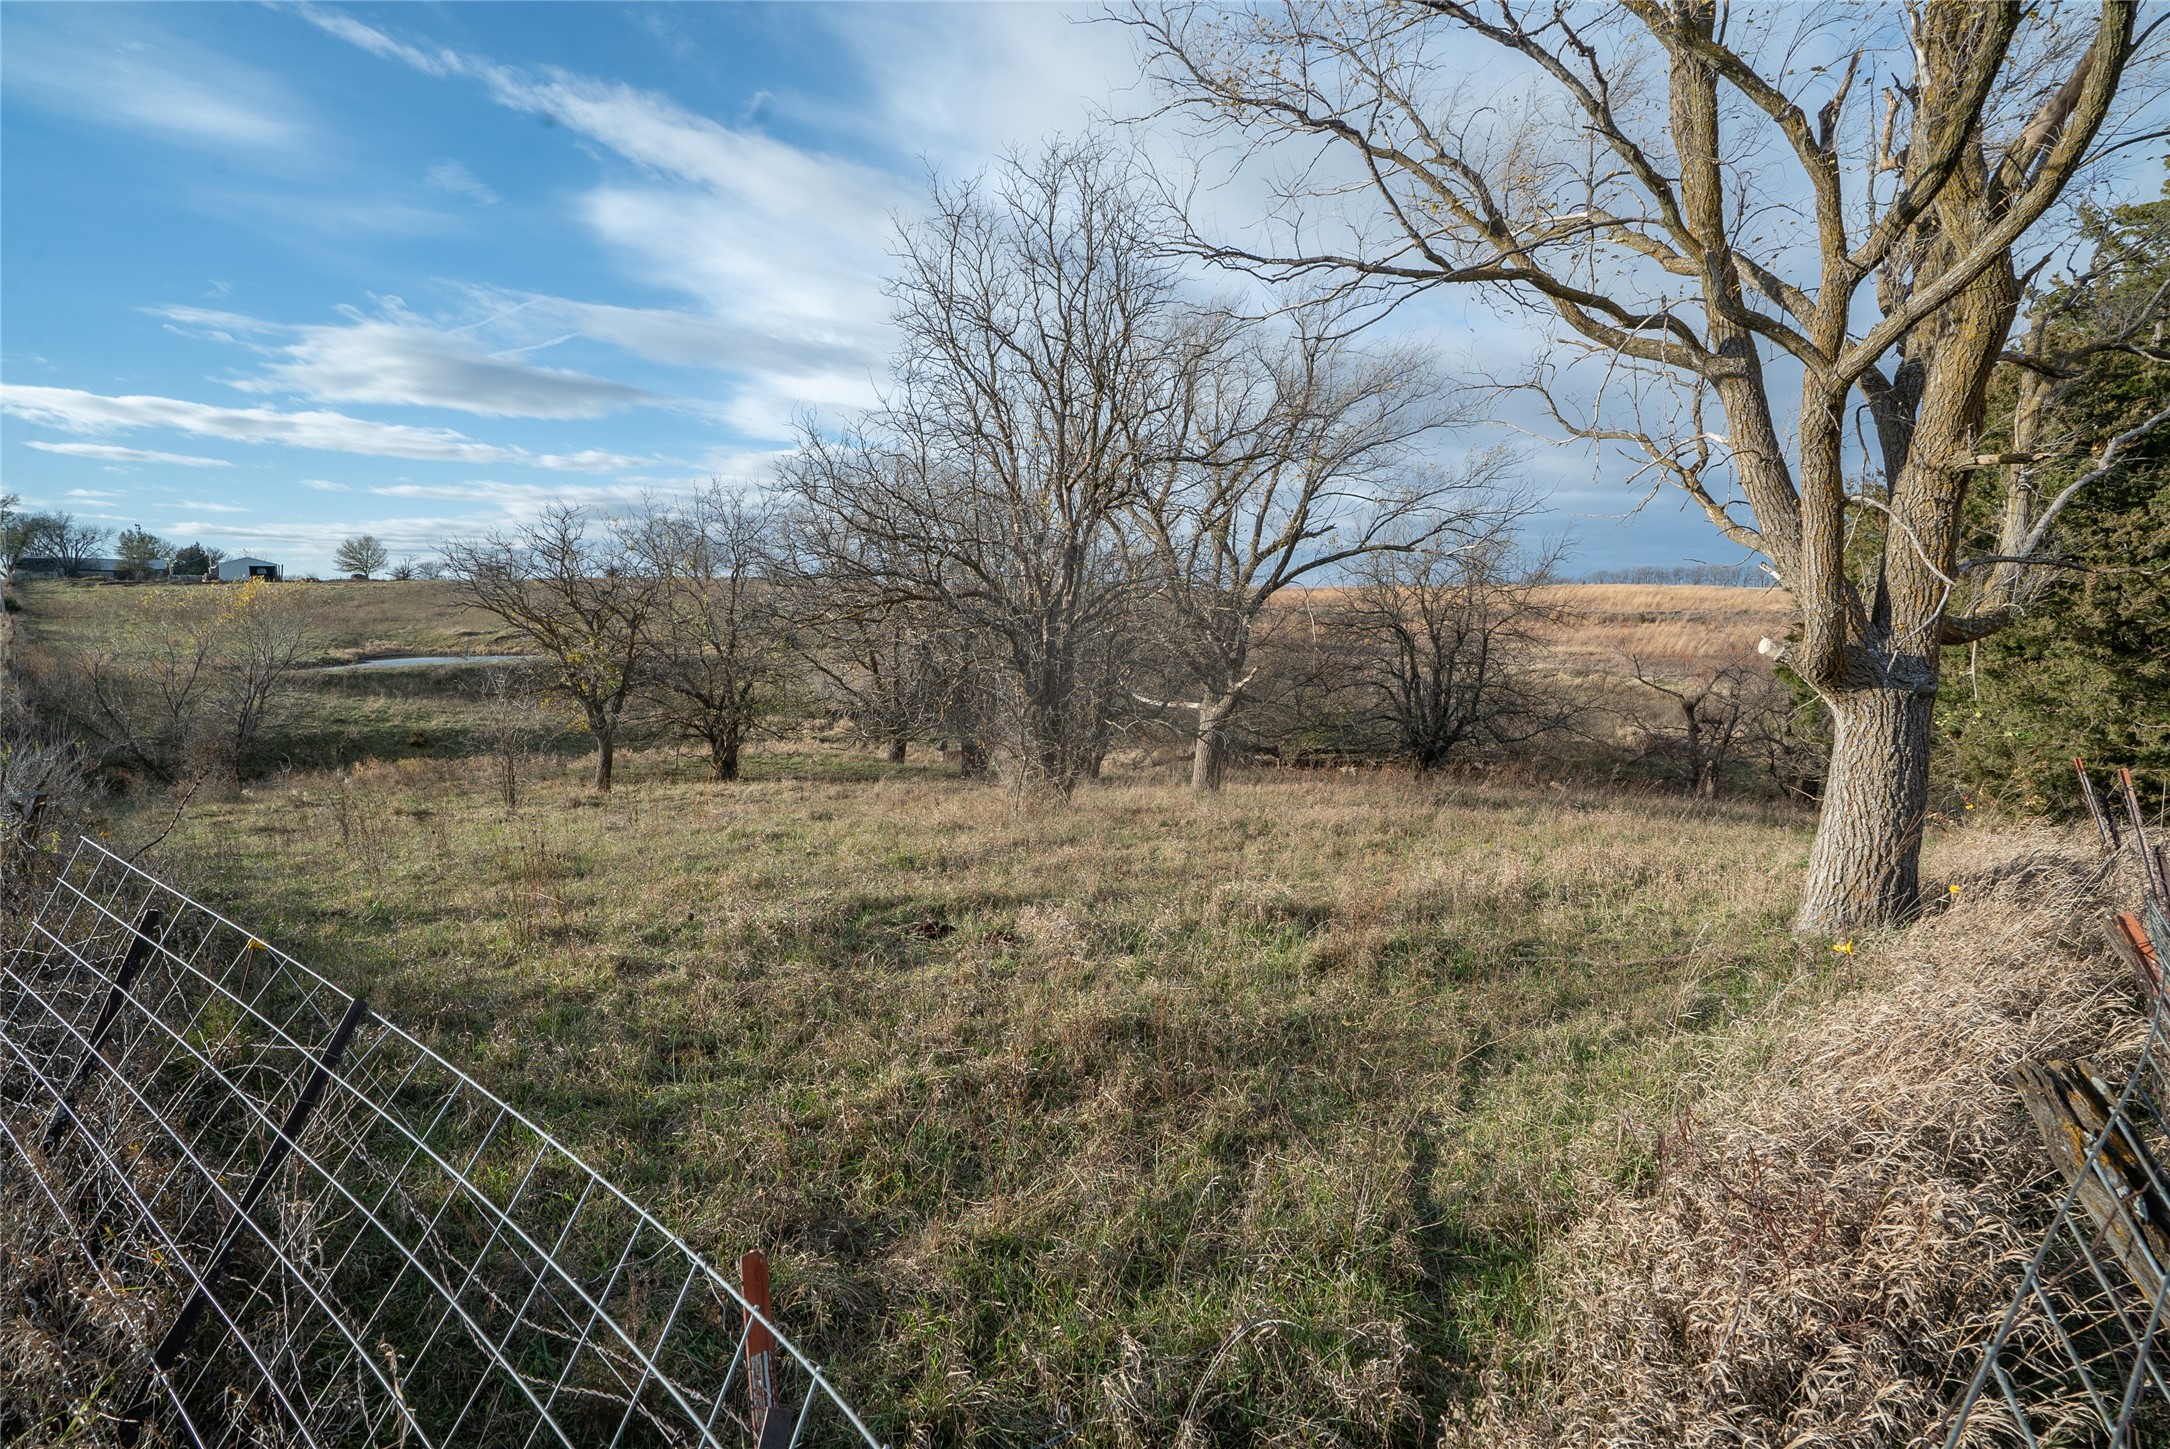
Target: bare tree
[1044, 349]
[1706, 218]
[72, 545]
[582, 595]
[1719, 707]
[1295, 463]
[513, 725]
[362, 555]
[722, 662]
[192, 679]
[1445, 637]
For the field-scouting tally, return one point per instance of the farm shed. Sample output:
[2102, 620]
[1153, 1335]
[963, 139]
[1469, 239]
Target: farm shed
[234, 570]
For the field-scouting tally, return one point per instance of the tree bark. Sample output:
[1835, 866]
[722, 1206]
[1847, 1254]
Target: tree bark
[1209, 750]
[1864, 870]
[723, 754]
[897, 748]
[606, 750]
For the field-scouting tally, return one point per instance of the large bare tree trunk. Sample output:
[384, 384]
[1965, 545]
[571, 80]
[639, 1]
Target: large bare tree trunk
[1209, 751]
[1864, 869]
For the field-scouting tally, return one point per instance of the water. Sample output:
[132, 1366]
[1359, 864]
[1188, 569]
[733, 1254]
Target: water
[427, 661]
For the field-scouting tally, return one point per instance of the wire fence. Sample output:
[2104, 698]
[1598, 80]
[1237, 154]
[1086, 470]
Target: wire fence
[346, 1239]
[2079, 1357]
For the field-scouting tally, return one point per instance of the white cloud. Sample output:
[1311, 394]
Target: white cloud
[682, 339]
[76, 411]
[92, 494]
[214, 507]
[783, 247]
[114, 453]
[454, 179]
[155, 84]
[325, 485]
[962, 83]
[408, 363]
[405, 360]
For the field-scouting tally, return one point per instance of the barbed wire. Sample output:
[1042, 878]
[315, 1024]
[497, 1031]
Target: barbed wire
[346, 1237]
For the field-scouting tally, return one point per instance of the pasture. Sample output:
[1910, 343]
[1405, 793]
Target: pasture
[1252, 1113]
[1248, 1115]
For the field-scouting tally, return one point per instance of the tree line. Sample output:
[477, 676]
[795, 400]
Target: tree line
[1089, 498]
[1856, 312]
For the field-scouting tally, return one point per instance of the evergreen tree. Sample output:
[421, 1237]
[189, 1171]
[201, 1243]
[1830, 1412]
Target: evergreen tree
[2086, 671]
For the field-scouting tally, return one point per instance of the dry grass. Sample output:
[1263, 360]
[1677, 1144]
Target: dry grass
[1222, 1121]
[1824, 1240]
[1669, 626]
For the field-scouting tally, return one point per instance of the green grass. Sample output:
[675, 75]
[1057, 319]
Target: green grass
[350, 620]
[1250, 1113]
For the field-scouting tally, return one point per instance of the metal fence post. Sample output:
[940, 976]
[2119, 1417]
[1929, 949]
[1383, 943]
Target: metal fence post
[170, 1347]
[145, 936]
[2105, 827]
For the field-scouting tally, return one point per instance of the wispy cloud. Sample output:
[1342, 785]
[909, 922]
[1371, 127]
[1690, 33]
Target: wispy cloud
[325, 485]
[782, 247]
[454, 179]
[681, 339]
[68, 59]
[114, 453]
[411, 364]
[400, 359]
[76, 411]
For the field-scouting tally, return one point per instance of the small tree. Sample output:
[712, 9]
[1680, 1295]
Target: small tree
[513, 725]
[19, 531]
[581, 595]
[137, 550]
[193, 562]
[721, 663]
[1443, 637]
[193, 677]
[361, 555]
[1721, 708]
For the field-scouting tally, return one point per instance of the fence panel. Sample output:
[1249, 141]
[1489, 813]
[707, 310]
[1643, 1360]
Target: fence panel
[2080, 1355]
[347, 1238]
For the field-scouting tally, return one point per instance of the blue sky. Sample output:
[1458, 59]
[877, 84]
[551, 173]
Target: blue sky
[277, 275]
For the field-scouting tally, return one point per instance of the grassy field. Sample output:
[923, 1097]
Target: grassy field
[1165, 1119]
[1249, 1115]
[350, 621]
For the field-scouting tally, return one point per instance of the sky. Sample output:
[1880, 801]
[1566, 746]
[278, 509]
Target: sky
[272, 276]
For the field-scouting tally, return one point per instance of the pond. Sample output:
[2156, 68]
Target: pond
[428, 661]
